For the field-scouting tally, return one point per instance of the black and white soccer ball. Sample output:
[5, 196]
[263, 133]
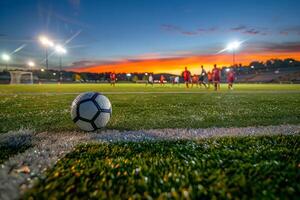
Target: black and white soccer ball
[91, 111]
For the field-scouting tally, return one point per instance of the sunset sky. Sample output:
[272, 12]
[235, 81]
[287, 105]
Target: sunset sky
[149, 35]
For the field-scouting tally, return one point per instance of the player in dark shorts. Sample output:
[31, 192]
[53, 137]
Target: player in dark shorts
[186, 77]
[216, 77]
[230, 79]
[112, 78]
[202, 77]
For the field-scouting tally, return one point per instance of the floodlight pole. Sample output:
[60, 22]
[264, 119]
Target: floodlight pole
[60, 69]
[60, 50]
[46, 48]
[233, 57]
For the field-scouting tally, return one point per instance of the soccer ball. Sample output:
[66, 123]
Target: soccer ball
[91, 111]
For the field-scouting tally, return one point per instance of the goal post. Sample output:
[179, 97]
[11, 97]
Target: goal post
[20, 77]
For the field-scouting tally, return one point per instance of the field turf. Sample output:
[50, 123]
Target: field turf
[67, 88]
[247, 105]
[259, 167]
[223, 168]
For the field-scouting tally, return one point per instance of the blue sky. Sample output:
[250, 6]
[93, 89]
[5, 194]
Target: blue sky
[112, 30]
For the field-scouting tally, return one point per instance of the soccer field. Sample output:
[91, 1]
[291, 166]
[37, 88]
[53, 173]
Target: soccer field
[76, 88]
[103, 170]
[47, 107]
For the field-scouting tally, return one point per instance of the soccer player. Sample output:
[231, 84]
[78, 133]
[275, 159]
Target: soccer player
[150, 79]
[161, 81]
[176, 80]
[230, 79]
[216, 77]
[112, 77]
[202, 77]
[186, 77]
[172, 80]
[195, 80]
[209, 78]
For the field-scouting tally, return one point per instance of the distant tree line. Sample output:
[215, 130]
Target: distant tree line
[275, 63]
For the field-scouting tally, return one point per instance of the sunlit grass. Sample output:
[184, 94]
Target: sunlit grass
[223, 168]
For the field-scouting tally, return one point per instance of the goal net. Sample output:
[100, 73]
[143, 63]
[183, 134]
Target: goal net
[19, 77]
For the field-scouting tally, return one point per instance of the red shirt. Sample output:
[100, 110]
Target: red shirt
[186, 75]
[112, 76]
[195, 78]
[230, 76]
[209, 76]
[162, 78]
[216, 73]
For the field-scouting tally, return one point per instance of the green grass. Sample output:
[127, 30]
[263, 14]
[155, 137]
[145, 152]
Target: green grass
[134, 112]
[147, 111]
[12, 89]
[231, 167]
[219, 168]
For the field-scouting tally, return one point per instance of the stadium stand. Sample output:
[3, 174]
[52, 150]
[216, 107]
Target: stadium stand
[288, 74]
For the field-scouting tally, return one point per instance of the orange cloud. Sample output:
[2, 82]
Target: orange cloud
[176, 65]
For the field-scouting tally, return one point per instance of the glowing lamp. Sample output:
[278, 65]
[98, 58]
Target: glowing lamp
[5, 57]
[233, 46]
[46, 41]
[60, 49]
[31, 64]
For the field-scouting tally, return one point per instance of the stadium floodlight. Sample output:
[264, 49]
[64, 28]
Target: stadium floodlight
[233, 46]
[46, 42]
[30, 63]
[60, 49]
[6, 58]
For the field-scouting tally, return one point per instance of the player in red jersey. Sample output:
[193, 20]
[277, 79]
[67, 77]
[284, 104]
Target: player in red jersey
[161, 80]
[230, 79]
[195, 80]
[112, 77]
[186, 77]
[216, 77]
[209, 78]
